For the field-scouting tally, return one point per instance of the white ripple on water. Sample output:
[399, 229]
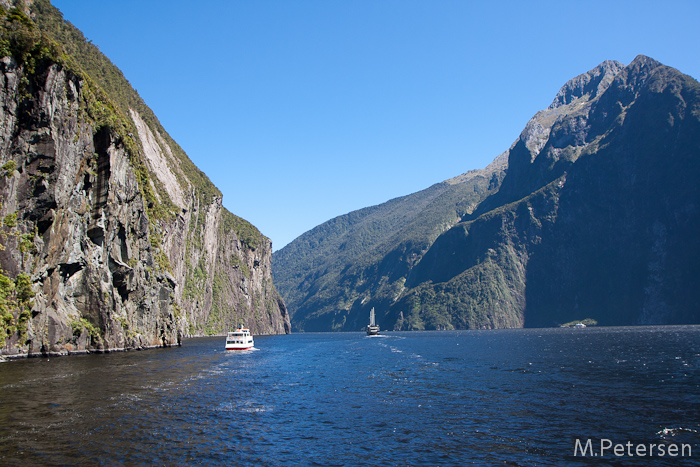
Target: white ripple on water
[247, 407]
[241, 352]
[43, 379]
[259, 409]
[670, 432]
[127, 397]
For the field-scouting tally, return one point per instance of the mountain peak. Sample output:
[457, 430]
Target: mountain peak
[590, 84]
[642, 61]
[640, 69]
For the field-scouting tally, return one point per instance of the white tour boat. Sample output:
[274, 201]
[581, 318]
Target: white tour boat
[240, 339]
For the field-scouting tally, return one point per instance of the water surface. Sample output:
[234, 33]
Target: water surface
[506, 397]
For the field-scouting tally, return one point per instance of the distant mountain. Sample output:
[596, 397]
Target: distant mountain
[111, 238]
[595, 215]
[339, 268]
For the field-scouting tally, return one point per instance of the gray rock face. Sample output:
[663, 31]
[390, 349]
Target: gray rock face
[106, 272]
[588, 85]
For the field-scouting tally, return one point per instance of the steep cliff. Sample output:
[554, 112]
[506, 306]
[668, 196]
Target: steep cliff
[596, 217]
[112, 238]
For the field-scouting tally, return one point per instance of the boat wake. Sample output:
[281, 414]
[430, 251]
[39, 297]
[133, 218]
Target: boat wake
[238, 352]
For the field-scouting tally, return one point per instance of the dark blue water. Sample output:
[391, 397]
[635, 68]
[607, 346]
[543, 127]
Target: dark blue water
[509, 397]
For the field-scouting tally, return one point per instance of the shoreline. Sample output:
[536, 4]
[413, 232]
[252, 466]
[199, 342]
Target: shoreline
[70, 353]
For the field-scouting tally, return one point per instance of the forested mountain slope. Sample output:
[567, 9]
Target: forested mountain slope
[596, 217]
[334, 272]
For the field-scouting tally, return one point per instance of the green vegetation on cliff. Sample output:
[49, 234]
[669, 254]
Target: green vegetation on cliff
[15, 294]
[15, 307]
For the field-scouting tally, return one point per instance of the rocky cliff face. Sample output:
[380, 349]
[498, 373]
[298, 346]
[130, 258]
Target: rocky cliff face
[111, 238]
[596, 217]
[624, 246]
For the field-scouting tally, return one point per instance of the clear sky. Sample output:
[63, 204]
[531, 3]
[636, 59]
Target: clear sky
[302, 110]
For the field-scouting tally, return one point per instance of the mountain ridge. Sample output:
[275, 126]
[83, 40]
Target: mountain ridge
[573, 173]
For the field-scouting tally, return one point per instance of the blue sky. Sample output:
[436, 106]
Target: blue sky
[301, 111]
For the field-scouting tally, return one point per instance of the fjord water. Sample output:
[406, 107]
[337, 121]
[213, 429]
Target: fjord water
[516, 397]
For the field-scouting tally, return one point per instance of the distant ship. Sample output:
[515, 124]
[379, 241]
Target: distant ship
[240, 339]
[372, 328]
